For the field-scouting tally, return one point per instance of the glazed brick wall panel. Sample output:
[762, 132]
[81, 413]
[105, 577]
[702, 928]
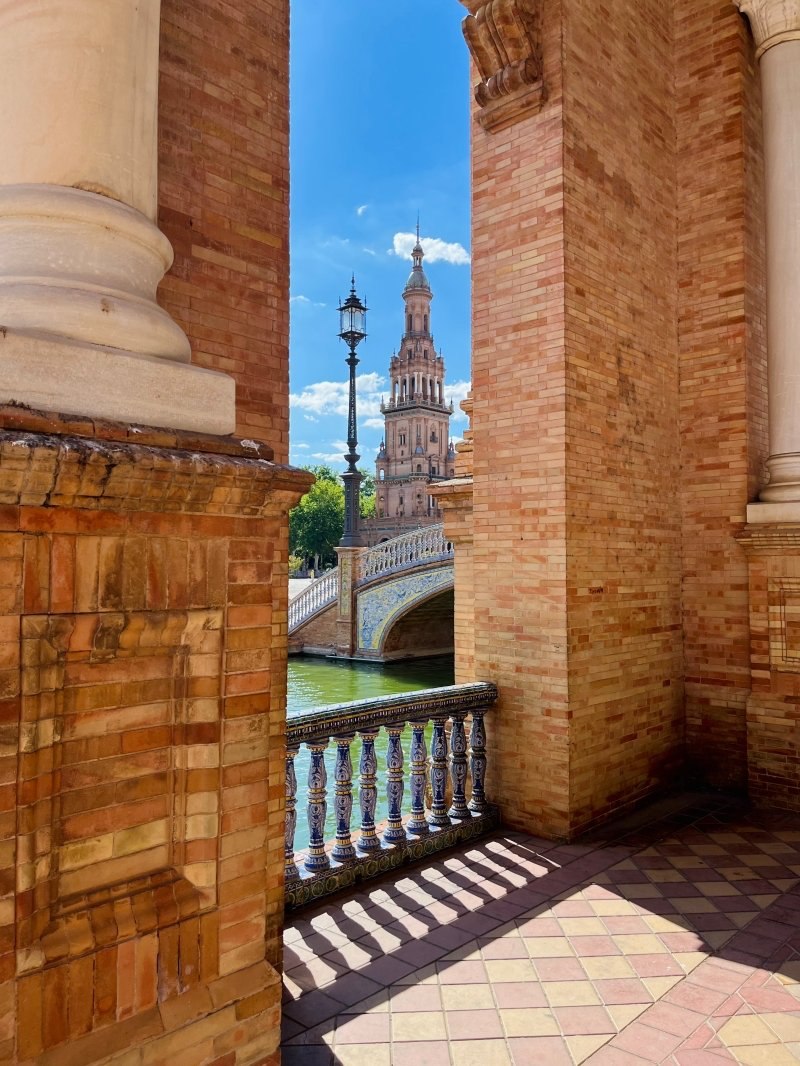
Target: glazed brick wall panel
[721, 295]
[224, 197]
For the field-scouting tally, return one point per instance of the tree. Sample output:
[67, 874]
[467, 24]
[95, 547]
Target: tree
[367, 500]
[317, 523]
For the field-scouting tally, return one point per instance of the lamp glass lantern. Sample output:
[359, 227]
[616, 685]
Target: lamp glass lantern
[352, 319]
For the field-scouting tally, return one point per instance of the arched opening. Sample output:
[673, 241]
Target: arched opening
[425, 629]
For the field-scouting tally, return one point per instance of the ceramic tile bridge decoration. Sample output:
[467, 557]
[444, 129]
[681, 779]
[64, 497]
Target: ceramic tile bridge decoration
[457, 763]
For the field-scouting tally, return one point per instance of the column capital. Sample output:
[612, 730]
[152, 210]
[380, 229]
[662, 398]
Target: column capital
[772, 21]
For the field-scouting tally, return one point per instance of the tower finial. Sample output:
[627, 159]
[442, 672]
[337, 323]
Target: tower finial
[417, 227]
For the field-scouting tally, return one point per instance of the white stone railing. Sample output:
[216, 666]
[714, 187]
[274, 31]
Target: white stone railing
[425, 545]
[319, 595]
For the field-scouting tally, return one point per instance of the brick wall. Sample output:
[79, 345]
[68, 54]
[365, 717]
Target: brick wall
[622, 443]
[723, 388]
[144, 600]
[224, 196]
[519, 439]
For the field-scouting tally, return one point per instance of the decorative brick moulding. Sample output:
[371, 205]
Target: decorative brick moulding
[504, 39]
[141, 767]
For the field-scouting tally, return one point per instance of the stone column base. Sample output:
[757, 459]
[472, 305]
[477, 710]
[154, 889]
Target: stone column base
[773, 707]
[56, 375]
[142, 582]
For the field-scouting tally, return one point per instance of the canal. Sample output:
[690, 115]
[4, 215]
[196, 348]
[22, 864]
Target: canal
[316, 682]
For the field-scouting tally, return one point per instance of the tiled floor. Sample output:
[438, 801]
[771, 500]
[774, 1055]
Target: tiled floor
[677, 941]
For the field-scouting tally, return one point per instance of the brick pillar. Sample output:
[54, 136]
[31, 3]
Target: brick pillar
[143, 624]
[346, 620]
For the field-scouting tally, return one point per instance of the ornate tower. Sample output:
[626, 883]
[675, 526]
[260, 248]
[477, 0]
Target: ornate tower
[416, 449]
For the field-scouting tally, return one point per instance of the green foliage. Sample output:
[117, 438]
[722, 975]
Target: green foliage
[367, 500]
[295, 563]
[317, 523]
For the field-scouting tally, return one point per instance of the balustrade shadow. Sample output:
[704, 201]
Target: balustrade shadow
[466, 917]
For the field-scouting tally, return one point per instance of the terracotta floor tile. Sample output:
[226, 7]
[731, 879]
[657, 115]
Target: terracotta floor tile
[559, 970]
[363, 1055]
[607, 967]
[662, 965]
[672, 1018]
[652, 1045]
[588, 946]
[584, 1021]
[626, 923]
[362, 1029]
[405, 998]
[622, 990]
[509, 948]
[516, 994]
[696, 997]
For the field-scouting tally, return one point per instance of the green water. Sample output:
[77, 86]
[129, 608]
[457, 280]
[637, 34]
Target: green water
[316, 682]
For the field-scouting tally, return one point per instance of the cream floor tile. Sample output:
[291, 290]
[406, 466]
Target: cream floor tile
[581, 1047]
[467, 997]
[426, 975]
[418, 1026]
[570, 993]
[786, 1026]
[480, 1053]
[763, 1055]
[745, 1030]
[717, 888]
[600, 966]
[529, 1021]
[742, 918]
[640, 891]
[548, 947]
[659, 986]
[622, 1014]
[689, 960]
[663, 925]
[639, 944]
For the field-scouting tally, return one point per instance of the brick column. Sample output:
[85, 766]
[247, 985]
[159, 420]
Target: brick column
[776, 28]
[81, 255]
[143, 598]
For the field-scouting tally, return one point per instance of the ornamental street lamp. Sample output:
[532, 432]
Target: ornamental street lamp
[352, 330]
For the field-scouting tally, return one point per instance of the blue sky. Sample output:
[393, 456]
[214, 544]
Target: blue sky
[380, 131]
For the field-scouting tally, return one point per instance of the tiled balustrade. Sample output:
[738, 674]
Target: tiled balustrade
[453, 777]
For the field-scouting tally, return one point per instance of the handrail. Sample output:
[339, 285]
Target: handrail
[456, 767]
[423, 545]
[314, 598]
[422, 705]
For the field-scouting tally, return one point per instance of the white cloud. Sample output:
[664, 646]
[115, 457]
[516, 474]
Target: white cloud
[334, 456]
[301, 445]
[331, 397]
[457, 391]
[362, 210]
[374, 423]
[436, 250]
[305, 301]
[369, 251]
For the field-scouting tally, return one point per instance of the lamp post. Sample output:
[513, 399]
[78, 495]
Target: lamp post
[352, 323]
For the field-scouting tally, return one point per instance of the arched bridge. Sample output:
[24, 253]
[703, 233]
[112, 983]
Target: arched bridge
[390, 601]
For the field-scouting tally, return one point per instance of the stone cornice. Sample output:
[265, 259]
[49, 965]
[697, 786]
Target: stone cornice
[772, 21]
[504, 39]
[38, 470]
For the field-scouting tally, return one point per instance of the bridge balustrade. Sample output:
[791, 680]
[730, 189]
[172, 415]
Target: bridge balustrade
[313, 599]
[447, 787]
[424, 545]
